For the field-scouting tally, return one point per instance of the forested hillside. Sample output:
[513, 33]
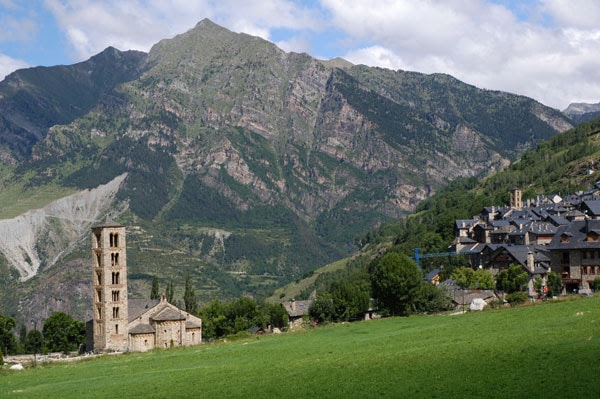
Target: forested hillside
[564, 164]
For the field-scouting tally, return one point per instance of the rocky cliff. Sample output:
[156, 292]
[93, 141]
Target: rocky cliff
[288, 158]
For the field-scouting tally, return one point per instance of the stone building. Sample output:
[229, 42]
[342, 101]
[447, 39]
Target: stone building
[124, 324]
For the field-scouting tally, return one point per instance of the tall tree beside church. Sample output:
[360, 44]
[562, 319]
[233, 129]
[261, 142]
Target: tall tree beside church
[170, 292]
[154, 292]
[189, 296]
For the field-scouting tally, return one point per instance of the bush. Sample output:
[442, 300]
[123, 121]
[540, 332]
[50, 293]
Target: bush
[516, 298]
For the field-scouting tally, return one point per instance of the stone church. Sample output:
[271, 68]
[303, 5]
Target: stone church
[122, 324]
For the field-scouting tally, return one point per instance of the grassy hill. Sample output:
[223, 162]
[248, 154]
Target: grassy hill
[539, 351]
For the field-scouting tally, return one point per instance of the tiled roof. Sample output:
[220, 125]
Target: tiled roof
[297, 308]
[142, 329]
[168, 314]
[137, 307]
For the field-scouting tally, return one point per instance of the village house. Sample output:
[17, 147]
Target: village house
[123, 324]
[545, 234]
[296, 310]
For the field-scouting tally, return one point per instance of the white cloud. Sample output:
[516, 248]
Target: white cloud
[545, 49]
[92, 25]
[478, 42]
[8, 65]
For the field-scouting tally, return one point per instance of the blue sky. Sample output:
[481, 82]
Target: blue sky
[545, 49]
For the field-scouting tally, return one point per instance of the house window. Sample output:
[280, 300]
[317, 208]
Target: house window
[98, 260]
[115, 296]
[99, 310]
[116, 328]
[115, 313]
[99, 274]
[565, 257]
[98, 295]
[114, 259]
[97, 240]
[115, 278]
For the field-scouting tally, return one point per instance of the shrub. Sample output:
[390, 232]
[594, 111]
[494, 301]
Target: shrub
[516, 298]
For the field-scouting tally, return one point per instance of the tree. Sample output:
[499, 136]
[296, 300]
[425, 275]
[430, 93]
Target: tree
[467, 278]
[538, 286]
[485, 279]
[34, 342]
[62, 333]
[395, 281]
[8, 342]
[322, 309]
[464, 277]
[154, 292]
[189, 296]
[170, 293]
[511, 280]
[554, 284]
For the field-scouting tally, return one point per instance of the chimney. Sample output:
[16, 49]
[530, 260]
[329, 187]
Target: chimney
[293, 305]
[530, 261]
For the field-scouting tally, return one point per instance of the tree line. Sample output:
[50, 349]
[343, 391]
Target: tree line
[60, 333]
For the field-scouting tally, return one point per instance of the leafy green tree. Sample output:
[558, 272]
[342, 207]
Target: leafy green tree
[214, 321]
[279, 317]
[484, 279]
[189, 295]
[554, 284]
[464, 277]
[154, 292]
[431, 299]
[8, 342]
[34, 342]
[322, 309]
[395, 280]
[62, 333]
[513, 279]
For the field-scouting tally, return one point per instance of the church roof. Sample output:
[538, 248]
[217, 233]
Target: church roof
[137, 307]
[191, 324]
[142, 329]
[168, 314]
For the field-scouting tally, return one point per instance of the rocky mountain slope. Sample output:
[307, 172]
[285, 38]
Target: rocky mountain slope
[582, 112]
[245, 165]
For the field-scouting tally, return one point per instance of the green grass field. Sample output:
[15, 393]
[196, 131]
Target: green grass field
[540, 351]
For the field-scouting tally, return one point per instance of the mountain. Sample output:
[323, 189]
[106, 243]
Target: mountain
[582, 112]
[231, 159]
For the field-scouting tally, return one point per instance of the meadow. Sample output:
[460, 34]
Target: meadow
[537, 351]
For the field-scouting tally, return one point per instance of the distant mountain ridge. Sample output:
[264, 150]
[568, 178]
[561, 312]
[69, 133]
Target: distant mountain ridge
[582, 112]
[246, 165]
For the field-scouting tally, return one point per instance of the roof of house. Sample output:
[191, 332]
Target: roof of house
[297, 308]
[593, 206]
[577, 232]
[431, 275]
[465, 297]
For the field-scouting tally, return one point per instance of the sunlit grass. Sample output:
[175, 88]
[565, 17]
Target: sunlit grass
[548, 350]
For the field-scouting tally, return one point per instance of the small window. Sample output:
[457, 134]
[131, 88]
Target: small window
[116, 328]
[115, 313]
[115, 296]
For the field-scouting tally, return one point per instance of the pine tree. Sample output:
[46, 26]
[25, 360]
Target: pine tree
[154, 293]
[189, 296]
[170, 292]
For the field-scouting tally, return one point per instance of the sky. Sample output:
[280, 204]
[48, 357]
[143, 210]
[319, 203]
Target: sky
[545, 49]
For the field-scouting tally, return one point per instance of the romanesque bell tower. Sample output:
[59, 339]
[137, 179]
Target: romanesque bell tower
[110, 287]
